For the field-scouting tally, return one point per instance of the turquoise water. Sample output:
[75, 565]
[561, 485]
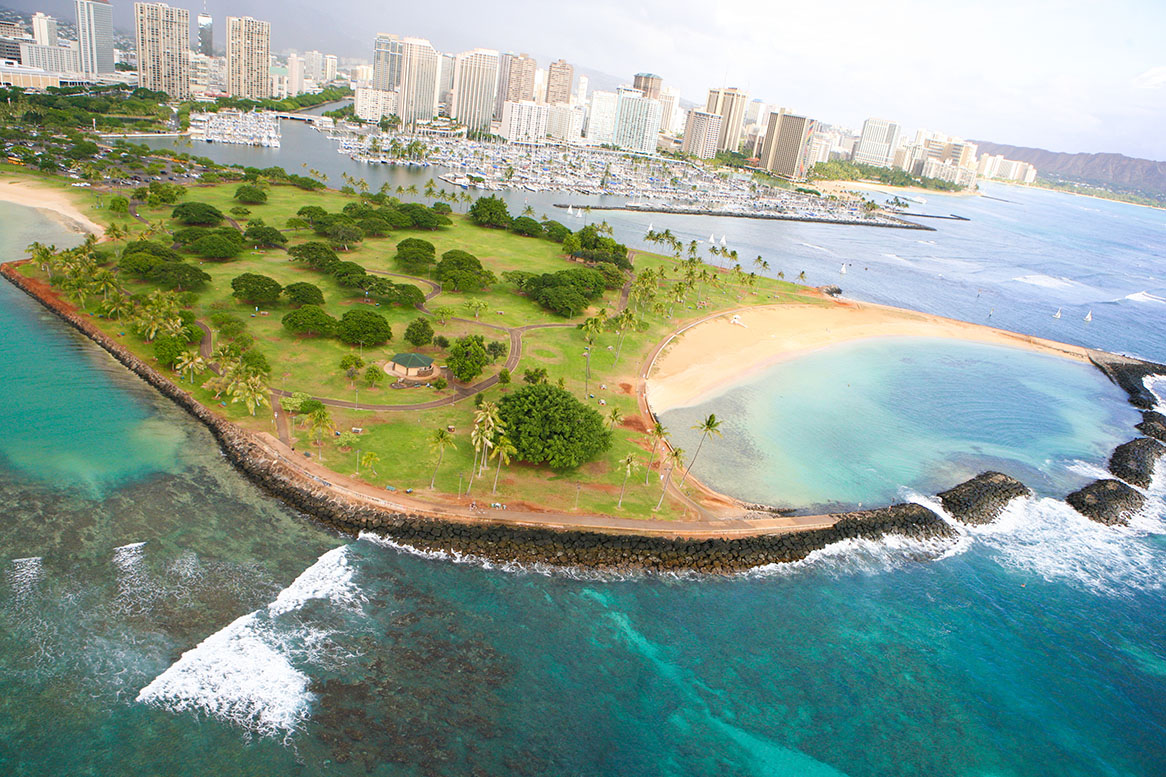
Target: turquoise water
[908, 413]
[171, 619]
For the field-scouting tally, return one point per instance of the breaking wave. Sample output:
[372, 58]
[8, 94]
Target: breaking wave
[251, 673]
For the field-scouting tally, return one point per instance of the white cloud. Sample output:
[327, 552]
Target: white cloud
[1154, 78]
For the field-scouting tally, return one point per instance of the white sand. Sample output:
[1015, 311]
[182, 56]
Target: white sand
[50, 198]
[715, 354]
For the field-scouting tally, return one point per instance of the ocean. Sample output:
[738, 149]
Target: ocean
[158, 614]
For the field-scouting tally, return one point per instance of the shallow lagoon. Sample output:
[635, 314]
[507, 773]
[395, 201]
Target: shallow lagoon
[859, 422]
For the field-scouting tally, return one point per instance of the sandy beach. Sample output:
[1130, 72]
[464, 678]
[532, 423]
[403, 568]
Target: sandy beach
[841, 187]
[50, 198]
[716, 353]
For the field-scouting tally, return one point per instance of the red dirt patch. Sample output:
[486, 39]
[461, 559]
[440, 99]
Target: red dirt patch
[626, 388]
[635, 423]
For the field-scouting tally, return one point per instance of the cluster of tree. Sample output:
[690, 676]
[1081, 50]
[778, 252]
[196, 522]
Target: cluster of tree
[108, 108]
[492, 212]
[359, 326]
[359, 220]
[198, 214]
[592, 245]
[320, 257]
[151, 261]
[279, 175]
[547, 425]
[841, 170]
[249, 194]
[298, 102]
[566, 292]
[461, 271]
[159, 193]
[214, 243]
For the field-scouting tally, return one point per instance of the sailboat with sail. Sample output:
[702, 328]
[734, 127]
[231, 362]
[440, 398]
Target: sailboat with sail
[1057, 314]
[1088, 316]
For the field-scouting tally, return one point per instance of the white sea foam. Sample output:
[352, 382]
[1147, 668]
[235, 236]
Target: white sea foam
[24, 575]
[1156, 385]
[816, 248]
[864, 557]
[136, 589]
[1088, 469]
[1145, 296]
[251, 672]
[1049, 282]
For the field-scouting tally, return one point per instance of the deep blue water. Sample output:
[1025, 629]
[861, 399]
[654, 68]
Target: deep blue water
[159, 615]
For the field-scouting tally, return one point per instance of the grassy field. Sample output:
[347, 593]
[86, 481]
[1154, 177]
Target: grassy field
[401, 438]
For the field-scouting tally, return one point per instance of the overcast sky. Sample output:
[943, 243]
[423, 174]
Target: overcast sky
[1067, 75]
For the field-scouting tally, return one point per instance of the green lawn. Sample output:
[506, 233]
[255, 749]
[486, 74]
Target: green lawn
[401, 438]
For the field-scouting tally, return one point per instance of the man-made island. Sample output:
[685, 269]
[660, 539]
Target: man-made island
[280, 317]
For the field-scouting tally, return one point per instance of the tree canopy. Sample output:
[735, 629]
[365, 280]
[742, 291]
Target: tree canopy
[250, 195]
[467, 357]
[415, 255]
[302, 293]
[364, 327]
[490, 212]
[547, 425]
[309, 320]
[198, 214]
[256, 289]
[462, 271]
[178, 276]
[419, 332]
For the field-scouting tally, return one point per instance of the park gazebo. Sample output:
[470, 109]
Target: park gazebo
[411, 365]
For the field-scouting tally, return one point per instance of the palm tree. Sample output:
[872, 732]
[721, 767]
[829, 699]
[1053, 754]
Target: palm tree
[190, 363]
[440, 440]
[503, 450]
[628, 463]
[368, 461]
[528, 211]
[659, 434]
[613, 418]
[488, 426]
[802, 275]
[706, 427]
[674, 458]
[591, 329]
[251, 391]
[114, 232]
[104, 282]
[320, 421]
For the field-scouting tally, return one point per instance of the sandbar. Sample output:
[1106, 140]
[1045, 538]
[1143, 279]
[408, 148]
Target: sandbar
[715, 353]
[50, 198]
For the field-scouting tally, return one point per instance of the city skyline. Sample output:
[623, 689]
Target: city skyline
[1005, 83]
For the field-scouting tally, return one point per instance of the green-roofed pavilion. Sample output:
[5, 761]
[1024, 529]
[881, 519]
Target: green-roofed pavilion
[411, 364]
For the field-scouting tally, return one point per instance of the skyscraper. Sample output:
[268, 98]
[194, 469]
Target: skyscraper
[445, 75]
[729, 104]
[524, 121]
[95, 36]
[417, 94]
[637, 121]
[248, 58]
[475, 87]
[701, 131]
[314, 66]
[295, 75]
[559, 78]
[669, 102]
[520, 78]
[601, 117]
[581, 91]
[163, 35]
[787, 142]
[206, 33]
[877, 144]
[649, 84]
[330, 62]
[44, 30]
[386, 62]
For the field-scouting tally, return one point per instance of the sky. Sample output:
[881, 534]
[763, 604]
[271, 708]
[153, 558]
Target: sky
[1066, 75]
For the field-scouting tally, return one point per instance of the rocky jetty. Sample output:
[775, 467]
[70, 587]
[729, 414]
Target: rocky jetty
[1134, 461]
[982, 499]
[1130, 375]
[496, 540]
[831, 291]
[1111, 502]
[1153, 425]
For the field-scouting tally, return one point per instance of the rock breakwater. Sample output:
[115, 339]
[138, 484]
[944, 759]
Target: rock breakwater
[982, 499]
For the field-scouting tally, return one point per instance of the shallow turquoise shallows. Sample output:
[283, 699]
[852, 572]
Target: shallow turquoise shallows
[858, 422]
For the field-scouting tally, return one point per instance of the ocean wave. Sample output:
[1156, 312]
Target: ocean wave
[1156, 385]
[816, 248]
[865, 557]
[1145, 296]
[251, 673]
[1050, 282]
[23, 576]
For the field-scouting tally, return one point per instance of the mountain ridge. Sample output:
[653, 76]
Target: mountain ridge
[1143, 175]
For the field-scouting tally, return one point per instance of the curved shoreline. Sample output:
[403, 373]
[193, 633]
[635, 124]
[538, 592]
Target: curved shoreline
[695, 364]
[51, 199]
[725, 546]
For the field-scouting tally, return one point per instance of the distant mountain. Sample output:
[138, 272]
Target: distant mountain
[1141, 175]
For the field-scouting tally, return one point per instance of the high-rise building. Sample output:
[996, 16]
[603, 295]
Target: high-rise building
[520, 78]
[565, 122]
[524, 121]
[373, 104]
[728, 103]
[540, 84]
[200, 73]
[601, 117]
[876, 146]
[504, 61]
[248, 58]
[206, 33]
[330, 63]
[296, 74]
[475, 87]
[581, 90]
[53, 59]
[44, 30]
[314, 66]
[701, 131]
[445, 78]
[649, 84]
[417, 93]
[163, 35]
[669, 104]
[637, 121]
[560, 75]
[95, 36]
[757, 112]
[787, 144]
[386, 62]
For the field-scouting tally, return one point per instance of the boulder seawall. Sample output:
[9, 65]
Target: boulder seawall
[497, 540]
